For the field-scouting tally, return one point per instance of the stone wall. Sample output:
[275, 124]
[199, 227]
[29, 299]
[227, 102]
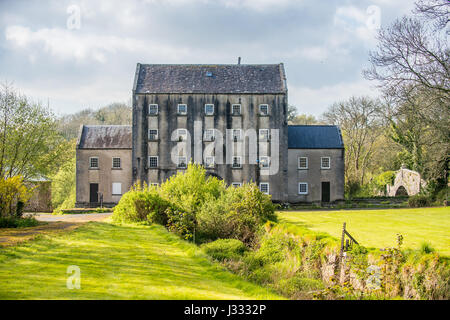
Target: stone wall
[408, 179]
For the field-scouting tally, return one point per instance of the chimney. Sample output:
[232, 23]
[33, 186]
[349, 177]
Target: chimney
[239, 60]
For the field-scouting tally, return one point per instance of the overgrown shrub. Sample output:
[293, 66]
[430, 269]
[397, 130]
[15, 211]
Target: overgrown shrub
[419, 200]
[141, 204]
[13, 196]
[237, 213]
[17, 222]
[225, 249]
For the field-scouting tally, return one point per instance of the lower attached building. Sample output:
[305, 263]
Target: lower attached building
[315, 164]
[103, 165]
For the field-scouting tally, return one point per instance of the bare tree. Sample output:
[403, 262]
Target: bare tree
[436, 10]
[361, 123]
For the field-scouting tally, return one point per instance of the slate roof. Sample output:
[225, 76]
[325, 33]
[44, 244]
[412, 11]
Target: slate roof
[104, 137]
[314, 137]
[203, 78]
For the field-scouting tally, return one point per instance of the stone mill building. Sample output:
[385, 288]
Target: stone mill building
[230, 118]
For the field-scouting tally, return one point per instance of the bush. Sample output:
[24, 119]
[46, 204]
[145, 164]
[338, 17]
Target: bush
[13, 196]
[418, 201]
[141, 204]
[237, 213]
[15, 222]
[64, 187]
[225, 249]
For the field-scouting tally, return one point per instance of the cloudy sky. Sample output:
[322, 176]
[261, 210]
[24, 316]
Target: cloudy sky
[79, 54]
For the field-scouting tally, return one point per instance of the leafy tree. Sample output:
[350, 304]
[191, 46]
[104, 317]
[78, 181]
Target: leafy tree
[30, 145]
[306, 119]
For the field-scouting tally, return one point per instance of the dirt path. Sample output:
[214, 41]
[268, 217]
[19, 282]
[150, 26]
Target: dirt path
[51, 224]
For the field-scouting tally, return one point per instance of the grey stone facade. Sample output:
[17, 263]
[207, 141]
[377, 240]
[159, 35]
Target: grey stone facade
[175, 107]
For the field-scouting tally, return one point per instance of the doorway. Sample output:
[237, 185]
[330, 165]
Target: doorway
[326, 191]
[93, 192]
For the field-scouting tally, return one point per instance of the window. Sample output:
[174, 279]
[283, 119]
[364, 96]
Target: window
[152, 109]
[302, 188]
[93, 163]
[209, 109]
[236, 109]
[209, 162]
[264, 187]
[153, 162]
[209, 135]
[264, 162]
[236, 184]
[182, 109]
[182, 134]
[236, 162]
[181, 162]
[236, 134]
[325, 163]
[264, 109]
[264, 134]
[153, 134]
[116, 163]
[302, 162]
[116, 188]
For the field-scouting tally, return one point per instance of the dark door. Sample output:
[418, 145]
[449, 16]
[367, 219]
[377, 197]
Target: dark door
[326, 191]
[93, 192]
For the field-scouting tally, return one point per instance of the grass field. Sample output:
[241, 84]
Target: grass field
[118, 262]
[378, 228]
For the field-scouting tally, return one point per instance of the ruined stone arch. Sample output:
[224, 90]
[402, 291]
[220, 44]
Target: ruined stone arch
[407, 183]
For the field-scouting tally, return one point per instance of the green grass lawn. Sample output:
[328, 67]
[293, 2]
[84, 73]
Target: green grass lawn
[118, 262]
[378, 228]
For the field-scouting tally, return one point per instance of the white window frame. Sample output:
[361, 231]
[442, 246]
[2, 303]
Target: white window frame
[112, 188]
[212, 164]
[268, 162]
[264, 113]
[298, 163]
[240, 162]
[90, 163]
[237, 184]
[156, 136]
[179, 162]
[212, 137]
[206, 106]
[261, 134]
[150, 105]
[178, 108]
[183, 136]
[157, 162]
[303, 184]
[240, 134]
[120, 163]
[232, 109]
[329, 163]
[268, 187]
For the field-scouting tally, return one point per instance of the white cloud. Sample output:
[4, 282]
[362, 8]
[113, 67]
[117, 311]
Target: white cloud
[65, 44]
[317, 100]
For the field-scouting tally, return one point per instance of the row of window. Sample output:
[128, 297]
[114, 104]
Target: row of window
[94, 163]
[153, 109]
[264, 162]
[209, 134]
[325, 163]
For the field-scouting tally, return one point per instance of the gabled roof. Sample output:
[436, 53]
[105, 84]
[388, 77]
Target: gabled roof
[104, 137]
[314, 137]
[203, 78]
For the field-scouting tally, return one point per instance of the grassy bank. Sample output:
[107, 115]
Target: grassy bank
[378, 228]
[118, 262]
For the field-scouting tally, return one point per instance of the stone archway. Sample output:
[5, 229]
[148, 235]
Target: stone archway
[401, 191]
[407, 183]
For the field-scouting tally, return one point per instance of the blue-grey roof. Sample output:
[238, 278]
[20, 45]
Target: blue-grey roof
[203, 78]
[104, 137]
[314, 137]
